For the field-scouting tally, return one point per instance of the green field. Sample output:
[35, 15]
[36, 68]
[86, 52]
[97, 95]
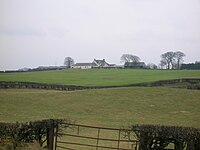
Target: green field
[99, 77]
[104, 107]
[112, 107]
[107, 107]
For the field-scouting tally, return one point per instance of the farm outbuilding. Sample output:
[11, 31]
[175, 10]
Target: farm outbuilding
[135, 65]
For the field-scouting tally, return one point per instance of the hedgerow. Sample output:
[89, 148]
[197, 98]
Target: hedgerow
[157, 137]
[28, 132]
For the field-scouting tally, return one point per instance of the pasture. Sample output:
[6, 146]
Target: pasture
[104, 107]
[99, 77]
[111, 107]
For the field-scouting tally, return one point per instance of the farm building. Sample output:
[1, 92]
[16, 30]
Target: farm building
[191, 66]
[135, 65]
[101, 63]
[95, 64]
[83, 65]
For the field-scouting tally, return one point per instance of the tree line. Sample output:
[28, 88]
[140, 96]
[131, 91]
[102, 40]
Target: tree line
[169, 60]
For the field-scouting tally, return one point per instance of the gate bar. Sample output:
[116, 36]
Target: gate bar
[88, 145]
[96, 127]
[93, 138]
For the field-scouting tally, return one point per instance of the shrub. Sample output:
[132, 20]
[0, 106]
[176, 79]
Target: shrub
[158, 137]
[16, 134]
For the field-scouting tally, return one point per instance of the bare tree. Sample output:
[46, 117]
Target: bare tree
[168, 58]
[179, 58]
[68, 62]
[151, 66]
[162, 64]
[130, 58]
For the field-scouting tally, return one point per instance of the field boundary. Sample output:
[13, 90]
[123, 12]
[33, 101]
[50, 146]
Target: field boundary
[71, 145]
[191, 83]
[62, 134]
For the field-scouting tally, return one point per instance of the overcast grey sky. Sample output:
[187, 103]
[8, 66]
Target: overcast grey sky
[43, 32]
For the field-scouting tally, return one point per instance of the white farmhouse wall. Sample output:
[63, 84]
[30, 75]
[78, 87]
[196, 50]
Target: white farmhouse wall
[82, 67]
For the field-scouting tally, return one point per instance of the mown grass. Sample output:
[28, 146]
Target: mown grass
[99, 77]
[104, 107]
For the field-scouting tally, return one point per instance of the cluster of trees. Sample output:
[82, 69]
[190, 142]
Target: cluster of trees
[130, 58]
[172, 60]
[169, 60]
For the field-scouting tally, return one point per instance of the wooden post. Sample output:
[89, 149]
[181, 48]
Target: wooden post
[78, 130]
[50, 137]
[56, 137]
[98, 138]
[119, 139]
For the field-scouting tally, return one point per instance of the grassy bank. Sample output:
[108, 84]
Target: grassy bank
[104, 107]
[99, 77]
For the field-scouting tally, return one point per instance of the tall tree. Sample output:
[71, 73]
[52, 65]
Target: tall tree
[162, 64]
[130, 58]
[168, 58]
[179, 58]
[68, 62]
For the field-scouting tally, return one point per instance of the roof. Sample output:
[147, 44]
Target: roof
[100, 62]
[133, 64]
[85, 64]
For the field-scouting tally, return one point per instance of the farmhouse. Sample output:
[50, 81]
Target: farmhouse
[95, 64]
[100, 63]
[83, 65]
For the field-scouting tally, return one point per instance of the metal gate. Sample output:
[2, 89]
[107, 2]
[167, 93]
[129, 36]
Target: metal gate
[84, 137]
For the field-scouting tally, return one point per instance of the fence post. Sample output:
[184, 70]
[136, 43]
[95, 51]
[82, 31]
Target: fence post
[50, 137]
[119, 139]
[98, 138]
[56, 137]
[78, 130]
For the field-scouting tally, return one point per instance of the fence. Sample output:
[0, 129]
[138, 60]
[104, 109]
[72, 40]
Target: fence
[31, 85]
[78, 137]
[192, 84]
[60, 134]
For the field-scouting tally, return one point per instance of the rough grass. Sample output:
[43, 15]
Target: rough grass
[104, 107]
[99, 77]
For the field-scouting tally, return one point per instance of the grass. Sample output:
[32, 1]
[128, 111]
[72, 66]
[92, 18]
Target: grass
[104, 107]
[99, 77]
[117, 107]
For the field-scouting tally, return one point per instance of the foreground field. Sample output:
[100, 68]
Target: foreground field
[99, 77]
[103, 107]
[106, 107]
